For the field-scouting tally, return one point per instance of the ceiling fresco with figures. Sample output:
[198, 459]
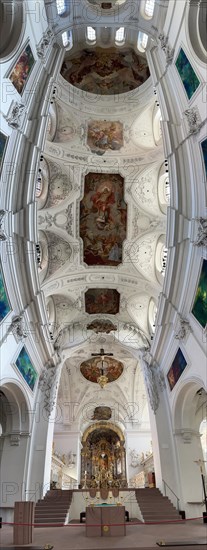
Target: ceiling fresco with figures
[103, 218]
[91, 369]
[101, 215]
[104, 136]
[106, 72]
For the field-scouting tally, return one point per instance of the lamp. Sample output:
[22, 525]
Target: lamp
[102, 379]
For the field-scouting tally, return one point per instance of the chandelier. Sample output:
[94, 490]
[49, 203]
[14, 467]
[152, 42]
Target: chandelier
[102, 379]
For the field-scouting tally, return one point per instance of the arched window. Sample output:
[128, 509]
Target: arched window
[161, 256]
[142, 41]
[149, 8]
[38, 191]
[120, 36]
[61, 7]
[67, 39]
[91, 35]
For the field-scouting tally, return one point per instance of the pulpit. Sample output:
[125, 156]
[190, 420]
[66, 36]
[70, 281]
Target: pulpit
[105, 521]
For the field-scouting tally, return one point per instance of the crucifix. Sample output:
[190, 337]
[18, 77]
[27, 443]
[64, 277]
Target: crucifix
[102, 379]
[102, 354]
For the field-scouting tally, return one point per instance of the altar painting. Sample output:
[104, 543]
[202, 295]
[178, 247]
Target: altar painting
[199, 309]
[187, 74]
[103, 219]
[104, 136]
[22, 69]
[25, 367]
[106, 71]
[176, 369]
[91, 369]
[102, 300]
[5, 307]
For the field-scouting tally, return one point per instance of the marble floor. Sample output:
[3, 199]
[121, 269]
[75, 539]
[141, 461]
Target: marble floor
[137, 536]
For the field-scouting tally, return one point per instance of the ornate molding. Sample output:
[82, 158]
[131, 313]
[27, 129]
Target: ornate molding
[183, 329]
[193, 119]
[136, 458]
[48, 382]
[14, 115]
[3, 236]
[17, 327]
[201, 239]
[154, 378]
[169, 52]
[42, 47]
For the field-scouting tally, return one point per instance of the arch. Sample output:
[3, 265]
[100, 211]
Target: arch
[186, 406]
[12, 27]
[197, 19]
[14, 417]
[103, 425]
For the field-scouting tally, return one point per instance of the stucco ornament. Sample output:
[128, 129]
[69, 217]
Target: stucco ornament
[154, 378]
[14, 115]
[17, 327]
[136, 458]
[3, 236]
[193, 119]
[44, 43]
[201, 239]
[183, 329]
[48, 382]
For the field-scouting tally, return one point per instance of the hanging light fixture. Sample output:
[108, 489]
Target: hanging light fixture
[102, 379]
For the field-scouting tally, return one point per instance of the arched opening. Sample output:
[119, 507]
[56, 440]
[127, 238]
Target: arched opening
[197, 20]
[12, 27]
[190, 412]
[14, 439]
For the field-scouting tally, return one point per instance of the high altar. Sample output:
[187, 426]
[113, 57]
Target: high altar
[103, 458]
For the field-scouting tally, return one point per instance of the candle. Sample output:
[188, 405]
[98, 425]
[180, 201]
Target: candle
[85, 473]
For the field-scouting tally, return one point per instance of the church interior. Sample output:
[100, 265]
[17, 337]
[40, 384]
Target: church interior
[103, 274]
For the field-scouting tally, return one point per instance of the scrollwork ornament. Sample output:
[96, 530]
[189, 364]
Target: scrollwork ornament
[193, 119]
[201, 239]
[48, 382]
[183, 329]
[14, 115]
[3, 236]
[17, 327]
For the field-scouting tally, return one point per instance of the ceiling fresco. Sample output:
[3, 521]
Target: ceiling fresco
[104, 136]
[103, 214]
[91, 369]
[106, 71]
[102, 413]
[102, 326]
[102, 300]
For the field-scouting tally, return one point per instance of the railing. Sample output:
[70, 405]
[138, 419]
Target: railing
[169, 488]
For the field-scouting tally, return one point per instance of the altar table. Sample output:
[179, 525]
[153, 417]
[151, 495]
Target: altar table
[100, 521]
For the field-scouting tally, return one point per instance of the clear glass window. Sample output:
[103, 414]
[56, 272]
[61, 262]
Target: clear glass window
[61, 7]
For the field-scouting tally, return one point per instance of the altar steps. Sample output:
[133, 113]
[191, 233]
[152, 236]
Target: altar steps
[53, 509]
[155, 507]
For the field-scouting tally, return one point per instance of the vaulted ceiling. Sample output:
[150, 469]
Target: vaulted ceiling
[102, 223]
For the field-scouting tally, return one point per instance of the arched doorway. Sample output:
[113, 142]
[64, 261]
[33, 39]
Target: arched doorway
[14, 420]
[103, 457]
[189, 413]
